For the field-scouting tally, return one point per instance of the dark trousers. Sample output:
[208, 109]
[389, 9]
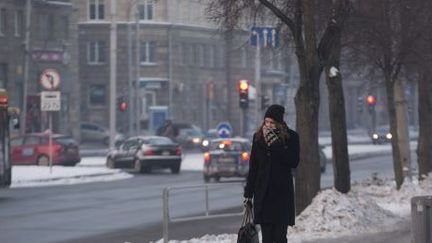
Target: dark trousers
[274, 233]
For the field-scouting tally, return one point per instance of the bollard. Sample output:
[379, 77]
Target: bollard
[421, 219]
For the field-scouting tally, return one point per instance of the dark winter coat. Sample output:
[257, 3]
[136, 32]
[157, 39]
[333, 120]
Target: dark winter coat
[270, 182]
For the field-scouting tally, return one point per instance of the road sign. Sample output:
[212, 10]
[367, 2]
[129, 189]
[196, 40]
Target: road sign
[224, 130]
[50, 79]
[50, 101]
[266, 36]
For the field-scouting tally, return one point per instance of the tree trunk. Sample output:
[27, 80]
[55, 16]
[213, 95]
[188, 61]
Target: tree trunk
[330, 53]
[393, 130]
[402, 128]
[341, 168]
[424, 151]
[308, 176]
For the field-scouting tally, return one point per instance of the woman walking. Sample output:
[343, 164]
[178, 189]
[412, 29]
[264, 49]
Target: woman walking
[275, 151]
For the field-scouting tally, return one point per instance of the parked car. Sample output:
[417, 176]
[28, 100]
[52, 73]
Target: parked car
[143, 153]
[91, 132]
[381, 135]
[33, 149]
[227, 158]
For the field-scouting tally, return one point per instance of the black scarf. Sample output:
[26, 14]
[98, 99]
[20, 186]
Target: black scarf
[270, 135]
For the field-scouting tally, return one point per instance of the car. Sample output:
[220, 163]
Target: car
[91, 132]
[323, 159]
[33, 149]
[144, 153]
[381, 135]
[227, 158]
[208, 136]
[190, 137]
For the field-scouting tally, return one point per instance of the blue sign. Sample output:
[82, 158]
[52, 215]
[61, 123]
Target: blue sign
[158, 115]
[224, 130]
[266, 36]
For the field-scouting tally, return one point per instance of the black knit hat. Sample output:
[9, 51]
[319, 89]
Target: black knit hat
[275, 112]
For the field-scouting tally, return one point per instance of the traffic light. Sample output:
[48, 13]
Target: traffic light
[360, 104]
[244, 94]
[122, 104]
[265, 102]
[371, 101]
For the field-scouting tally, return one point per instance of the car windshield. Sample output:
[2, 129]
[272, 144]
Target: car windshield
[190, 132]
[160, 141]
[382, 129]
[228, 146]
[64, 140]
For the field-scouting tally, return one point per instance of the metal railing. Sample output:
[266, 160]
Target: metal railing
[421, 217]
[166, 209]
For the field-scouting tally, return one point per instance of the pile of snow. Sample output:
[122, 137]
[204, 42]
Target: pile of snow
[372, 205]
[25, 176]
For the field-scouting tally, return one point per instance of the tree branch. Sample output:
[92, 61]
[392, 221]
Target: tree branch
[280, 15]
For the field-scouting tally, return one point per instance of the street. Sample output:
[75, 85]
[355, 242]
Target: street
[79, 212]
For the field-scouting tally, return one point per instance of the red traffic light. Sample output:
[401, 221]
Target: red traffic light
[243, 85]
[371, 100]
[123, 106]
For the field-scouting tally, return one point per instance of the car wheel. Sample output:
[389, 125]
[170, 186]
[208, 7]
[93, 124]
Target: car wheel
[175, 169]
[110, 163]
[145, 169]
[137, 166]
[217, 178]
[42, 160]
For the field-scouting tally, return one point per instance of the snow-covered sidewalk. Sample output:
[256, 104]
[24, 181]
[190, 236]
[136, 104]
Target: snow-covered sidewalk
[372, 206]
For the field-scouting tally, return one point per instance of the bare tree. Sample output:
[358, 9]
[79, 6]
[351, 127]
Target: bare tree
[384, 36]
[299, 17]
[420, 61]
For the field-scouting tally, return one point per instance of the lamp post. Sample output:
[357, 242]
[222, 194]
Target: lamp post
[113, 72]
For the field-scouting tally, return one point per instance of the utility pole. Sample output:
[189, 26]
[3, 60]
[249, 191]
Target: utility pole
[137, 71]
[257, 77]
[26, 65]
[113, 72]
[131, 110]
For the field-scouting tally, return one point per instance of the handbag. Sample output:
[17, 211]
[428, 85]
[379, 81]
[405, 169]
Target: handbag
[248, 232]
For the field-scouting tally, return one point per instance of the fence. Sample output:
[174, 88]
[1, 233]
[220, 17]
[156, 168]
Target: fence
[421, 217]
[166, 209]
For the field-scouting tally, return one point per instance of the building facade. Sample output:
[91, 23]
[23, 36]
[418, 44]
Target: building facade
[52, 44]
[185, 63]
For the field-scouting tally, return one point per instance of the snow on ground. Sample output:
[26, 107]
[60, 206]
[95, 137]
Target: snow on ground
[373, 205]
[28, 176]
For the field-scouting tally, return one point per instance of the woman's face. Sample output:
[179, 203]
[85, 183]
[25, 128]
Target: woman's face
[270, 123]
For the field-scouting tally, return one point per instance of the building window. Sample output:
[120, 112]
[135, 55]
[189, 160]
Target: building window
[64, 29]
[3, 76]
[146, 10]
[19, 23]
[147, 52]
[181, 54]
[190, 54]
[45, 27]
[220, 55]
[96, 9]
[200, 55]
[3, 21]
[211, 56]
[96, 52]
[97, 95]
